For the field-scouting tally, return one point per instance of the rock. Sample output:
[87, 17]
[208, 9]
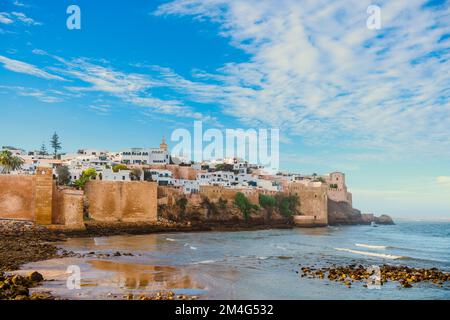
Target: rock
[342, 213]
[404, 275]
[35, 277]
[384, 219]
[41, 296]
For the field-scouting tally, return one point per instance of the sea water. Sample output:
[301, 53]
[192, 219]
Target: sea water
[252, 264]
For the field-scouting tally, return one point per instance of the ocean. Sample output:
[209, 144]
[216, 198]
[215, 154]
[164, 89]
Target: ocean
[252, 264]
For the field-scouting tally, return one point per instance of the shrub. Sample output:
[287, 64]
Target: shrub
[182, 204]
[211, 206]
[287, 204]
[118, 167]
[242, 202]
[222, 203]
[135, 174]
[268, 203]
[86, 175]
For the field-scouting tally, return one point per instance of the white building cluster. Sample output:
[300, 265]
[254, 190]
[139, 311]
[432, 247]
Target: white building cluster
[155, 164]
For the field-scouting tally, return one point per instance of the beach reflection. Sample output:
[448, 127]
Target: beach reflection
[145, 277]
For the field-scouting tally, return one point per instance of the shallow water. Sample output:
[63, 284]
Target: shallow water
[252, 264]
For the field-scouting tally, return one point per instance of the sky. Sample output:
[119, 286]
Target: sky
[373, 103]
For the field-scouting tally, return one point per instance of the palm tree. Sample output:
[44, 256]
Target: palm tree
[8, 162]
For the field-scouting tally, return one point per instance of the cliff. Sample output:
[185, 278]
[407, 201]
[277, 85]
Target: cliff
[225, 213]
[340, 212]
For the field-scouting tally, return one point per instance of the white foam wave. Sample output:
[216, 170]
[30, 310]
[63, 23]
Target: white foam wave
[205, 262]
[170, 239]
[371, 254]
[370, 246]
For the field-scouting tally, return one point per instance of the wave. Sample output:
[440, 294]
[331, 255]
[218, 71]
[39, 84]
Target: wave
[170, 239]
[205, 262]
[372, 254]
[370, 246]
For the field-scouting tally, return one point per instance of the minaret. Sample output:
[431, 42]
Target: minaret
[163, 144]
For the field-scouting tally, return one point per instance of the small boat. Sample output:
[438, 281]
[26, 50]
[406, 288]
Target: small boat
[373, 224]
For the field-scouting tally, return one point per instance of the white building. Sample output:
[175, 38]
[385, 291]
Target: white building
[146, 156]
[14, 151]
[163, 177]
[270, 185]
[88, 161]
[104, 174]
[110, 175]
[189, 186]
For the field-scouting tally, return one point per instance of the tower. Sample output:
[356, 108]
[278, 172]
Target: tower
[163, 144]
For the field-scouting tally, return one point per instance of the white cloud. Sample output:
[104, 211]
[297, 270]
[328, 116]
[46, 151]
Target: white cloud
[19, 4]
[132, 88]
[5, 18]
[317, 72]
[23, 18]
[48, 96]
[23, 67]
[11, 17]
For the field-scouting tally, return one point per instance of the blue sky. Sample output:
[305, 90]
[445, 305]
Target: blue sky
[371, 103]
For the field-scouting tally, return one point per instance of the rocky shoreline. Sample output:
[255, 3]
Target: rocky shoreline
[405, 276]
[22, 242]
[98, 229]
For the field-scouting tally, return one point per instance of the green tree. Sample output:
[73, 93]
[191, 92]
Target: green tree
[56, 144]
[182, 204]
[63, 175]
[135, 174]
[211, 206]
[287, 204]
[222, 203]
[86, 175]
[268, 203]
[242, 202]
[147, 175]
[8, 162]
[43, 150]
[118, 167]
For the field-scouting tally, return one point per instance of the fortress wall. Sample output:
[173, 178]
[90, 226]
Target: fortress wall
[17, 197]
[122, 200]
[313, 204]
[44, 188]
[68, 208]
[214, 193]
[36, 198]
[339, 194]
